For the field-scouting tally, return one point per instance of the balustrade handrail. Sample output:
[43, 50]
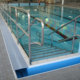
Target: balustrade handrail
[75, 19]
[62, 40]
[64, 25]
[29, 31]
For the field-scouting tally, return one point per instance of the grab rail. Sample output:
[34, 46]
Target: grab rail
[75, 19]
[44, 38]
[29, 31]
[42, 23]
[17, 26]
[64, 25]
[68, 38]
[62, 40]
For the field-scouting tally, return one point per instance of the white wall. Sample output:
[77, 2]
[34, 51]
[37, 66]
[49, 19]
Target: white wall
[50, 1]
[53, 1]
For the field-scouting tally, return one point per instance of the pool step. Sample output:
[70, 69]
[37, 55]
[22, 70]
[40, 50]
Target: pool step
[39, 49]
[50, 56]
[44, 52]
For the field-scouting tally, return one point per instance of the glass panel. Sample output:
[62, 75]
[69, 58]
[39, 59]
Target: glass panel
[22, 19]
[13, 13]
[14, 29]
[23, 41]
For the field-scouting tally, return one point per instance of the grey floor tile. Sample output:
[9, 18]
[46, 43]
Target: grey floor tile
[57, 77]
[69, 76]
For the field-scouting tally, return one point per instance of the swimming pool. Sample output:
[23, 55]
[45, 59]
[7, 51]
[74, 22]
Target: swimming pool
[53, 17]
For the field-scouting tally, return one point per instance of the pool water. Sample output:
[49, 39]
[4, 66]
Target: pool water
[53, 17]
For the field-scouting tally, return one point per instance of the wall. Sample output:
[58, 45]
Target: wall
[53, 1]
[56, 1]
[50, 1]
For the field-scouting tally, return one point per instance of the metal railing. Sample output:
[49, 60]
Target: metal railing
[17, 26]
[42, 23]
[59, 41]
[39, 35]
[64, 25]
[75, 19]
[62, 40]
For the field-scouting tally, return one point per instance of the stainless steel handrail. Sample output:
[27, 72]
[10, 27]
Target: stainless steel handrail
[27, 28]
[29, 25]
[44, 38]
[27, 34]
[63, 40]
[75, 19]
[64, 25]
[42, 23]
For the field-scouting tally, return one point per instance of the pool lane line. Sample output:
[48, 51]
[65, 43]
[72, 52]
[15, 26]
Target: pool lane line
[50, 27]
[58, 32]
[63, 11]
[56, 15]
[64, 36]
[58, 10]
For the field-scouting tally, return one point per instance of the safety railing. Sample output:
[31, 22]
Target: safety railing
[42, 23]
[62, 40]
[39, 35]
[75, 19]
[59, 41]
[65, 25]
[17, 26]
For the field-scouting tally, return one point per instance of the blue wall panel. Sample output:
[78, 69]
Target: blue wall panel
[13, 4]
[47, 67]
[52, 66]
[24, 4]
[34, 4]
[42, 4]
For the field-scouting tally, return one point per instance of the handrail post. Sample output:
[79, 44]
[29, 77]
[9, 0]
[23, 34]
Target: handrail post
[42, 40]
[4, 10]
[10, 19]
[39, 37]
[7, 12]
[51, 39]
[16, 24]
[29, 38]
[74, 35]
